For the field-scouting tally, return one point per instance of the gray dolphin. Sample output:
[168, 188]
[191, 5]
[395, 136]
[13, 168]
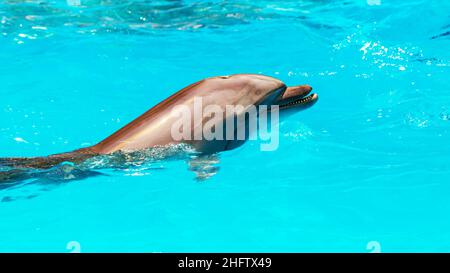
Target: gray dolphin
[153, 128]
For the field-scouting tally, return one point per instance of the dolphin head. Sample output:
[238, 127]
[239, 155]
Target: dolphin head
[248, 90]
[264, 90]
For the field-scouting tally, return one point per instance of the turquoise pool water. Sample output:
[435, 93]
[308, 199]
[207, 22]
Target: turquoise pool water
[368, 163]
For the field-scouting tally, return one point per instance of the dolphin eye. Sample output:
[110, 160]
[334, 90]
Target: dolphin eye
[224, 77]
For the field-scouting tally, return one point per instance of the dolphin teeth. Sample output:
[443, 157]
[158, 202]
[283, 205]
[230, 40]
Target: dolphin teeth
[299, 101]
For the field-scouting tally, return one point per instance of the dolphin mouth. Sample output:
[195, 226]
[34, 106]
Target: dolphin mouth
[297, 96]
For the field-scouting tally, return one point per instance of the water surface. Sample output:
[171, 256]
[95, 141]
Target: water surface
[369, 162]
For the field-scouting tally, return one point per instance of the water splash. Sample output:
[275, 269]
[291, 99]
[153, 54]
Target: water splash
[136, 163]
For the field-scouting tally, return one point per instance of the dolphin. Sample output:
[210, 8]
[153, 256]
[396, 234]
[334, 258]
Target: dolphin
[154, 127]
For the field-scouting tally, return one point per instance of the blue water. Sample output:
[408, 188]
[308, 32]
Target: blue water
[369, 162]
